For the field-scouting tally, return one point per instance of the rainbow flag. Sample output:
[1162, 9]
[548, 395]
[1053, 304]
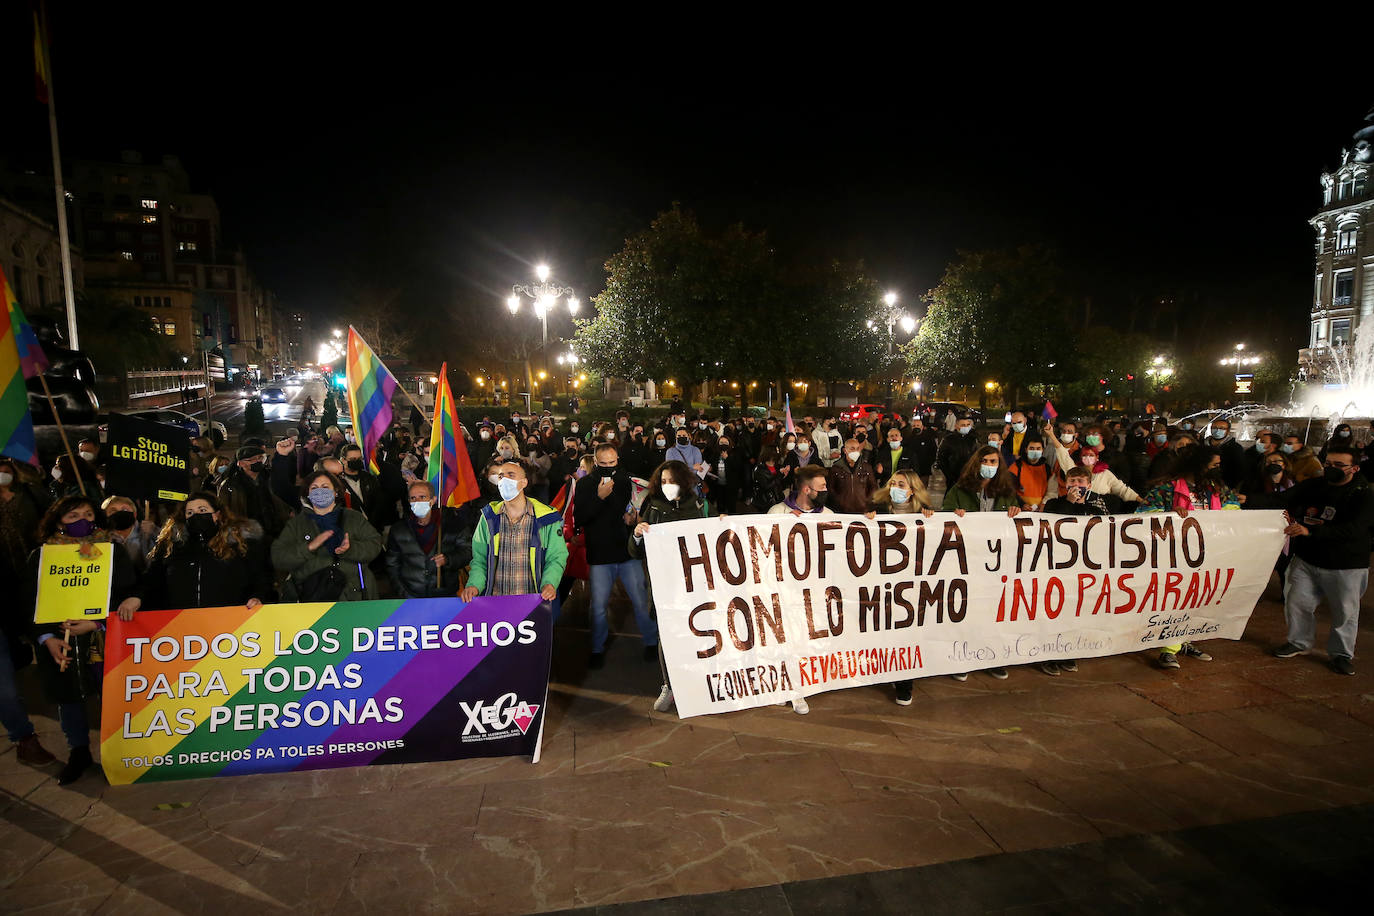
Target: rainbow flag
[450, 469]
[370, 387]
[560, 499]
[16, 364]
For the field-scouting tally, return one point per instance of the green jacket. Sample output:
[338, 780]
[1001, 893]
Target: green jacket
[959, 498]
[294, 560]
[548, 550]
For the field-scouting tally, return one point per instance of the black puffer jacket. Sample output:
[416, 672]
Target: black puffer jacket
[191, 576]
[413, 573]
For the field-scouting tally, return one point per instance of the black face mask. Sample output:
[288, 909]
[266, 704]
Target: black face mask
[819, 499]
[121, 520]
[1334, 475]
[256, 467]
[606, 473]
[355, 465]
[683, 442]
[202, 525]
[1275, 470]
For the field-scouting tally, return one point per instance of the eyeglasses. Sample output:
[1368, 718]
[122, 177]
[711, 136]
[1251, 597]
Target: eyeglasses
[1343, 467]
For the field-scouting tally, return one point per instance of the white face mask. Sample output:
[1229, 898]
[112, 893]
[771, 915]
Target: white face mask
[495, 479]
[421, 509]
[485, 434]
[853, 456]
[791, 445]
[610, 435]
[56, 473]
[88, 456]
[803, 446]
[660, 442]
[671, 491]
[6, 478]
[1066, 438]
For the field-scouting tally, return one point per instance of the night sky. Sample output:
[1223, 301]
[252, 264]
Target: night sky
[447, 166]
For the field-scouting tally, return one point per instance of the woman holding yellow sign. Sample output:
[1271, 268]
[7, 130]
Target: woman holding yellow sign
[69, 654]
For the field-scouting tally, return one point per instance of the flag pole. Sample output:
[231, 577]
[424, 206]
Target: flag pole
[72, 340]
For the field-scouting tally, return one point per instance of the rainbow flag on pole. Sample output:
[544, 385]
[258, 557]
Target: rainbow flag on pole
[450, 470]
[20, 358]
[370, 389]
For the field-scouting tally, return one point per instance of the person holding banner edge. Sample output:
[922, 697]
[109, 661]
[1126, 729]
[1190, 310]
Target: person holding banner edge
[69, 655]
[985, 485]
[532, 532]
[204, 557]
[903, 494]
[671, 497]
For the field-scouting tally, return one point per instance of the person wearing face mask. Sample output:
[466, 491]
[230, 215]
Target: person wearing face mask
[325, 535]
[984, 485]
[88, 452]
[727, 475]
[634, 451]
[1341, 435]
[68, 654]
[683, 450]
[924, 447]
[826, 442]
[1014, 437]
[1078, 499]
[64, 479]
[955, 450]
[204, 557]
[893, 456]
[1191, 483]
[766, 481]
[483, 447]
[851, 481]
[364, 488]
[121, 518]
[247, 489]
[1272, 478]
[669, 498]
[518, 548]
[1304, 461]
[517, 428]
[415, 553]
[203, 457]
[1232, 454]
[1329, 539]
[1034, 479]
[800, 455]
[904, 494]
[604, 515]
[1103, 482]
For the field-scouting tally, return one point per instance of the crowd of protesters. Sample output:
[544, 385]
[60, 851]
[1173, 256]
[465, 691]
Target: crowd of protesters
[305, 519]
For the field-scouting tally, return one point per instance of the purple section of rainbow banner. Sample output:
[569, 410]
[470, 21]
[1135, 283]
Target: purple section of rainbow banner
[421, 678]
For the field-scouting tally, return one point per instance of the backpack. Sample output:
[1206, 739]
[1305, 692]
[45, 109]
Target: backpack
[327, 584]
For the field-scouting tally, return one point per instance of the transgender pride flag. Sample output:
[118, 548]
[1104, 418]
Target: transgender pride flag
[370, 387]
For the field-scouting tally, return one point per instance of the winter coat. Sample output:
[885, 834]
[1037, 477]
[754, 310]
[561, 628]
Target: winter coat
[957, 497]
[191, 576]
[548, 551]
[412, 571]
[295, 562]
[954, 453]
[884, 464]
[767, 485]
[254, 499]
[851, 485]
[602, 521]
[1339, 519]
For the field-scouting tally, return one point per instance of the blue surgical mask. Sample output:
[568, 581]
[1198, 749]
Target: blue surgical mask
[1218, 433]
[1034, 454]
[899, 496]
[322, 497]
[988, 471]
[1259, 447]
[1161, 438]
[509, 487]
[965, 430]
[1288, 449]
[421, 508]
[1185, 426]
[1018, 427]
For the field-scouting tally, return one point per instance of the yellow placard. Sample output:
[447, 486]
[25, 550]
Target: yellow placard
[72, 586]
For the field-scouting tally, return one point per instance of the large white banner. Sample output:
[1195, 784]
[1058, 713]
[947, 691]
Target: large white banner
[758, 609]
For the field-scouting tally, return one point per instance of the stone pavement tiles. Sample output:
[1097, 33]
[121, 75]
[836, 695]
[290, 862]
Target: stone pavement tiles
[1052, 776]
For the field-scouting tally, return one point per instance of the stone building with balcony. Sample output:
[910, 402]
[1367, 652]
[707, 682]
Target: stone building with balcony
[1343, 288]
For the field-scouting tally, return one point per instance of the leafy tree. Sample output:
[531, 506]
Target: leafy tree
[117, 336]
[999, 315]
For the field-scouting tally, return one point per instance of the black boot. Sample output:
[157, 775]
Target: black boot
[79, 762]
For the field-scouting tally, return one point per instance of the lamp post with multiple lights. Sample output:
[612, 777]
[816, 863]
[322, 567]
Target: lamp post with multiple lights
[545, 297]
[892, 315]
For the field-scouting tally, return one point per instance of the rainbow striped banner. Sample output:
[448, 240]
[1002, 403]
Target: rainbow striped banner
[285, 687]
[450, 469]
[370, 387]
[16, 423]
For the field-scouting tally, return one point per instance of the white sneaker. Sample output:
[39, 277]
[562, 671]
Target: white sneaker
[664, 703]
[800, 707]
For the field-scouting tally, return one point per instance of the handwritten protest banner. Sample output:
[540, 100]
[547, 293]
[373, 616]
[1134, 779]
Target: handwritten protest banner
[73, 587]
[227, 691]
[754, 610]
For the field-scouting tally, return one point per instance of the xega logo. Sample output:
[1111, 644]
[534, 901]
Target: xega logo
[508, 710]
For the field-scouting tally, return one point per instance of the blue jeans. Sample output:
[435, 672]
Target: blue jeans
[1305, 587]
[13, 716]
[631, 575]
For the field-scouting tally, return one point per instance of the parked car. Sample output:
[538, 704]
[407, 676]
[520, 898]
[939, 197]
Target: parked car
[865, 412]
[216, 430]
[934, 411]
[273, 396]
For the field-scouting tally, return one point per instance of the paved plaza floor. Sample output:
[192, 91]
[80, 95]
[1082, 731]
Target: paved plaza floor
[1245, 783]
